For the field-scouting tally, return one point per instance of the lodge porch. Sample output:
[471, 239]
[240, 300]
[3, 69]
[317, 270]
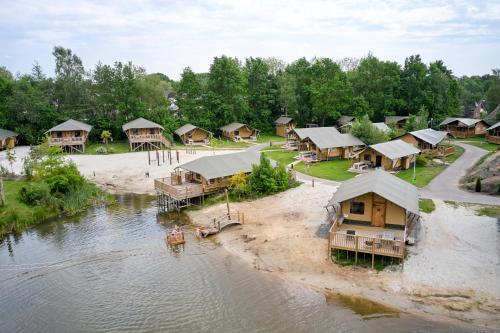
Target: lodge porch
[72, 144]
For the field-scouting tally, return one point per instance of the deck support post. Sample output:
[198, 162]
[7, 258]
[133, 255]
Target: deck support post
[373, 255]
[356, 246]
[149, 159]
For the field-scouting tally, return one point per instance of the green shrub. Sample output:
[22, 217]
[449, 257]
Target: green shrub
[422, 160]
[35, 194]
[101, 150]
[262, 177]
[478, 184]
[281, 177]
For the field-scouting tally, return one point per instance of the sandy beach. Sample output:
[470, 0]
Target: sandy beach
[439, 277]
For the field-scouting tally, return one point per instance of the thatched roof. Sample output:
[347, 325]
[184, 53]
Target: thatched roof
[140, 123]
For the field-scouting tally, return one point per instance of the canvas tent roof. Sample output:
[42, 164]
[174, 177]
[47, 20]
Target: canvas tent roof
[140, 123]
[344, 120]
[429, 135]
[395, 149]
[382, 127]
[233, 127]
[283, 120]
[394, 119]
[188, 128]
[382, 183]
[225, 165]
[4, 134]
[328, 137]
[465, 121]
[489, 128]
[71, 125]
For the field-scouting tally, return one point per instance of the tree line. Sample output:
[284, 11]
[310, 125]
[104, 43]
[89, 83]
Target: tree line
[255, 91]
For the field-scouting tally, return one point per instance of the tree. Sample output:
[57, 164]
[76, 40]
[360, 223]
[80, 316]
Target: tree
[225, 92]
[189, 97]
[262, 179]
[106, 136]
[378, 82]
[366, 132]
[300, 70]
[330, 90]
[413, 84]
[478, 184]
[442, 92]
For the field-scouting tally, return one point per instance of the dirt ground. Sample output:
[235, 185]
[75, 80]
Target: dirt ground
[440, 276]
[121, 173]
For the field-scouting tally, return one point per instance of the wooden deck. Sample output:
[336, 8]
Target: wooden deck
[74, 144]
[367, 239]
[183, 190]
[493, 139]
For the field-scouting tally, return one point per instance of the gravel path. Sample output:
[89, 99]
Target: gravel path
[446, 185]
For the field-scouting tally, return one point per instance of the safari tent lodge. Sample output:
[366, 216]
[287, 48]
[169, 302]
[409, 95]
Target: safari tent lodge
[344, 123]
[191, 182]
[238, 131]
[493, 133]
[71, 136]
[325, 143]
[390, 156]
[193, 135]
[144, 134]
[375, 214]
[8, 139]
[429, 140]
[284, 125]
[464, 127]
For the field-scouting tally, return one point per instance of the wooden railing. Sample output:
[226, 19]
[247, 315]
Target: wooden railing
[67, 141]
[179, 192]
[493, 139]
[446, 150]
[364, 244]
[148, 138]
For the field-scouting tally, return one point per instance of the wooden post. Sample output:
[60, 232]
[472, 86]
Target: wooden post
[163, 155]
[242, 218]
[227, 203]
[356, 246]
[313, 182]
[329, 253]
[2, 193]
[177, 154]
[149, 158]
[373, 253]
[158, 157]
[238, 216]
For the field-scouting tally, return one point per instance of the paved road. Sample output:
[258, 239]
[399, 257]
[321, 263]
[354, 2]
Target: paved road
[446, 185]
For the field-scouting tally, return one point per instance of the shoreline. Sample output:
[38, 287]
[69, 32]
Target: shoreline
[276, 244]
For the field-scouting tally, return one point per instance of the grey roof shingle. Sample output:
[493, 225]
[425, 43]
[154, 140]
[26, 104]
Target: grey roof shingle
[429, 135]
[494, 126]
[218, 166]
[382, 127]
[382, 183]
[466, 122]
[395, 149]
[4, 134]
[188, 128]
[328, 137]
[140, 123]
[283, 120]
[71, 125]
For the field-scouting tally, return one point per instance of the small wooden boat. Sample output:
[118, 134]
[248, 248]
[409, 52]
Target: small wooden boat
[177, 239]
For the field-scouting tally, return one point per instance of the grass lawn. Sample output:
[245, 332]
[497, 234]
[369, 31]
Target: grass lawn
[426, 205]
[282, 157]
[480, 141]
[117, 147]
[12, 188]
[424, 174]
[216, 143]
[270, 137]
[333, 170]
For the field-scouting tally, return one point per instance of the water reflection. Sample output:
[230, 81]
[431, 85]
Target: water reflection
[109, 269]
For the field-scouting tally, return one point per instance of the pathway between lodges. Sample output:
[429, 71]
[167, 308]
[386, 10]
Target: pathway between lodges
[446, 185]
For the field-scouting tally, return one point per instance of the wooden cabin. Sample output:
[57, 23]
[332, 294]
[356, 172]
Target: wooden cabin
[143, 134]
[326, 142]
[284, 125]
[464, 127]
[429, 140]
[193, 135]
[493, 134]
[344, 123]
[71, 136]
[398, 121]
[238, 131]
[192, 181]
[390, 156]
[8, 139]
[374, 213]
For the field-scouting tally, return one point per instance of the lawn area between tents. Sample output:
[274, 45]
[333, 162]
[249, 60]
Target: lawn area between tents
[480, 141]
[280, 156]
[335, 170]
[117, 147]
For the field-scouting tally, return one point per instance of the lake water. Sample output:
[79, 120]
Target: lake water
[109, 270]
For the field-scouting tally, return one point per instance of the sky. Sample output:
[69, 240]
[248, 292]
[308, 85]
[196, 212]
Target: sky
[167, 36]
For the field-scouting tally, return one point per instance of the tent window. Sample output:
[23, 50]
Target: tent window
[357, 208]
